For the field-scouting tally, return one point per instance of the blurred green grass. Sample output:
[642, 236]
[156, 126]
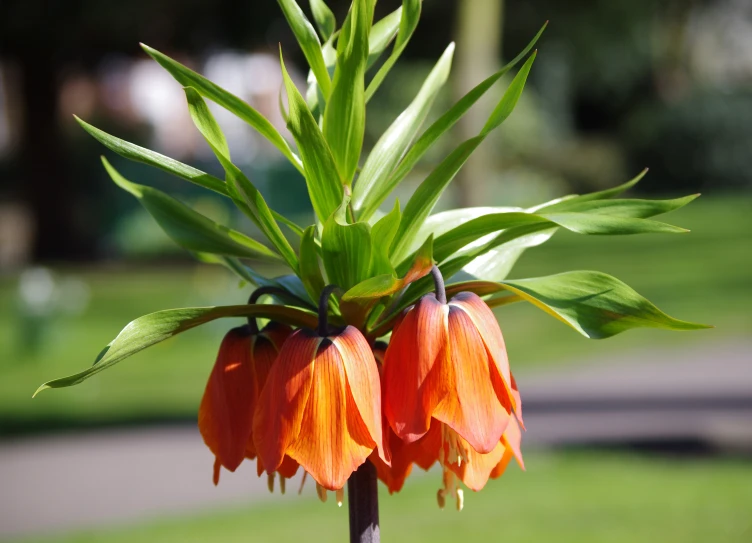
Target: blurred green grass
[702, 276]
[563, 497]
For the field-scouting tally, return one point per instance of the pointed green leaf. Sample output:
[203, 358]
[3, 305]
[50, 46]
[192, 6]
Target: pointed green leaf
[408, 23]
[561, 204]
[346, 249]
[382, 33]
[189, 78]
[310, 271]
[156, 327]
[345, 115]
[595, 304]
[242, 190]
[372, 185]
[322, 177]
[324, 18]
[627, 208]
[308, 41]
[438, 128]
[146, 156]
[383, 285]
[383, 231]
[427, 194]
[190, 229]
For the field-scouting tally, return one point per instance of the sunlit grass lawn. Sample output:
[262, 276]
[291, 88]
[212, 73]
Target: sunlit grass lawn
[703, 276]
[562, 498]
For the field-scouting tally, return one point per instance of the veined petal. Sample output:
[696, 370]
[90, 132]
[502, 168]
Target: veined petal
[472, 409]
[488, 327]
[512, 440]
[363, 381]
[415, 369]
[279, 414]
[517, 401]
[225, 415]
[333, 440]
[478, 467]
[263, 353]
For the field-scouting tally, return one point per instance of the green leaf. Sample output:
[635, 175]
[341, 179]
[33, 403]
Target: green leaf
[373, 182]
[377, 291]
[346, 249]
[581, 223]
[242, 190]
[627, 208]
[156, 327]
[189, 78]
[561, 204]
[382, 33]
[429, 191]
[442, 125]
[308, 41]
[190, 229]
[146, 156]
[321, 174]
[310, 272]
[380, 286]
[345, 115]
[383, 231]
[324, 18]
[594, 303]
[408, 23]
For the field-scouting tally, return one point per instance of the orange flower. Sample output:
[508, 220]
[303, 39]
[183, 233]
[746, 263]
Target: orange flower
[402, 454]
[225, 417]
[448, 361]
[321, 406]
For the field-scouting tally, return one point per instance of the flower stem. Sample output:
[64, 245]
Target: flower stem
[438, 281]
[324, 309]
[254, 297]
[363, 503]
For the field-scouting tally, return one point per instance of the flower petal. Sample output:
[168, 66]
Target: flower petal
[263, 354]
[489, 330]
[225, 414]
[279, 414]
[414, 369]
[472, 409]
[333, 440]
[478, 468]
[363, 381]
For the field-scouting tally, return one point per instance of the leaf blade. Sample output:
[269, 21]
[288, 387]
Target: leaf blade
[161, 325]
[215, 93]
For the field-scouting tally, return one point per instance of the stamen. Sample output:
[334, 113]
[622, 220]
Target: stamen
[340, 493]
[321, 491]
[270, 481]
[460, 499]
[217, 466]
[302, 482]
[282, 484]
[440, 498]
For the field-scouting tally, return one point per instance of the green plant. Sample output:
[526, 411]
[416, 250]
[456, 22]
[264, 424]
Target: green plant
[379, 262]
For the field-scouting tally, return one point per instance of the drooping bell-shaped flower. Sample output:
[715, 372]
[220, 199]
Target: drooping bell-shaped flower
[402, 455]
[460, 462]
[225, 416]
[321, 406]
[448, 361]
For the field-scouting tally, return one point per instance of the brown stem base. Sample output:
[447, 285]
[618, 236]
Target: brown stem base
[363, 502]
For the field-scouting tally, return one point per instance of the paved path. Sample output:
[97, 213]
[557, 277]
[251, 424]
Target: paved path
[85, 480]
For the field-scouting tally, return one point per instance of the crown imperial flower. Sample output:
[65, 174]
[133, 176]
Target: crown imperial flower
[225, 417]
[321, 406]
[448, 361]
